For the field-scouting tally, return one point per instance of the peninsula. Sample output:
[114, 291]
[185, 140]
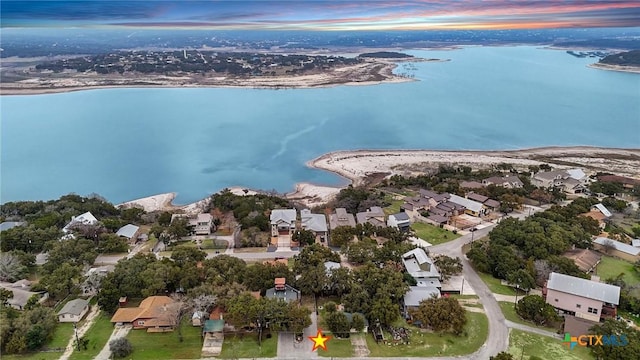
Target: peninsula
[628, 61]
[199, 68]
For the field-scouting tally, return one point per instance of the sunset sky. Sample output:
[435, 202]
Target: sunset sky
[323, 15]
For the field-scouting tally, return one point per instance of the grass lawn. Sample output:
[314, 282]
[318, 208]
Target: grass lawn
[496, 287]
[34, 356]
[61, 336]
[433, 234]
[543, 347]
[510, 314]
[394, 208]
[337, 348]
[431, 344]
[167, 345]
[611, 267]
[97, 335]
[247, 346]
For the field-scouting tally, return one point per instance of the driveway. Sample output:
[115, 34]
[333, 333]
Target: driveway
[118, 332]
[89, 320]
[288, 348]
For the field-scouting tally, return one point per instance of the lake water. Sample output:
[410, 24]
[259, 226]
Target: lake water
[129, 143]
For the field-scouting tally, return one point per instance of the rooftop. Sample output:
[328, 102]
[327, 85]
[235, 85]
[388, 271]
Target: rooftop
[128, 231]
[603, 209]
[313, 222]
[283, 215]
[74, 307]
[469, 204]
[418, 293]
[584, 288]
[625, 248]
[419, 265]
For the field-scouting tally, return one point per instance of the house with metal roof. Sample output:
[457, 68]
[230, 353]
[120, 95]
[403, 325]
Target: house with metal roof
[417, 294]
[283, 221]
[399, 221]
[73, 311]
[617, 249]
[128, 231]
[82, 219]
[10, 224]
[281, 290]
[314, 222]
[602, 209]
[582, 298]
[471, 207]
[421, 268]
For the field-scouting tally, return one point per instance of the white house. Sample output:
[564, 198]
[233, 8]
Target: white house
[128, 231]
[399, 221]
[73, 311]
[421, 268]
[283, 221]
[314, 222]
[82, 219]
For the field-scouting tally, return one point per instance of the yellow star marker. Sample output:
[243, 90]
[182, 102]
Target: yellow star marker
[319, 341]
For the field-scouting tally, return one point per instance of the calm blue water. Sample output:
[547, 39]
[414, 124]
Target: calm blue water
[129, 143]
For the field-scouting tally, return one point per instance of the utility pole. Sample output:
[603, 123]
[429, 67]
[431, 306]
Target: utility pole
[462, 288]
[75, 329]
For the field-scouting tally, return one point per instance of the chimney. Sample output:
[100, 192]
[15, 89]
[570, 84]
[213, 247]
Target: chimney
[280, 284]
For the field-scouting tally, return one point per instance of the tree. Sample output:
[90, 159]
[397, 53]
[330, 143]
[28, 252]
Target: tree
[183, 255]
[5, 295]
[312, 256]
[535, 309]
[448, 266]
[522, 279]
[441, 315]
[77, 252]
[342, 235]
[608, 246]
[304, 237]
[62, 280]
[330, 307]
[120, 347]
[298, 318]
[11, 269]
[179, 228]
[619, 329]
[360, 252]
[384, 310]
[357, 322]
[246, 310]
[338, 324]
[502, 356]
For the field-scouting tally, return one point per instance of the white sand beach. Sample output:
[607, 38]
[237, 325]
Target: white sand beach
[357, 165]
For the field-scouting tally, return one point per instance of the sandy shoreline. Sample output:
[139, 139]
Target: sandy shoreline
[362, 74]
[627, 69]
[356, 165]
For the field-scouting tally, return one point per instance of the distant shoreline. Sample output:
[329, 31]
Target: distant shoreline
[371, 72]
[619, 68]
[357, 165]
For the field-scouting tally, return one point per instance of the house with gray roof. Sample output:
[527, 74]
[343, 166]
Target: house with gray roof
[341, 218]
[617, 249]
[283, 221]
[314, 222]
[281, 290]
[82, 219]
[21, 290]
[571, 181]
[399, 221]
[374, 216]
[602, 209]
[473, 208]
[73, 311]
[10, 224]
[417, 294]
[421, 268]
[128, 231]
[586, 299]
[508, 181]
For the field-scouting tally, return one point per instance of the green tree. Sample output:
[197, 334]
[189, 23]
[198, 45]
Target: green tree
[441, 314]
[183, 255]
[5, 295]
[522, 279]
[618, 328]
[342, 235]
[179, 228]
[358, 322]
[298, 318]
[225, 269]
[338, 324]
[535, 309]
[11, 268]
[448, 266]
[77, 252]
[304, 237]
[360, 252]
[502, 356]
[62, 280]
[384, 310]
[120, 347]
[164, 219]
[330, 307]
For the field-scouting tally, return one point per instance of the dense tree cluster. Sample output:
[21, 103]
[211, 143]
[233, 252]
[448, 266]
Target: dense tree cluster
[535, 309]
[630, 351]
[27, 330]
[539, 237]
[443, 314]
[358, 199]
[250, 211]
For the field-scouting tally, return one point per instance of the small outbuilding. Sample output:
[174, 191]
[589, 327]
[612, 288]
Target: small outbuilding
[73, 311]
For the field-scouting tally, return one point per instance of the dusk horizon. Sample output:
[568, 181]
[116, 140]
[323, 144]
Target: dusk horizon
[321, 15]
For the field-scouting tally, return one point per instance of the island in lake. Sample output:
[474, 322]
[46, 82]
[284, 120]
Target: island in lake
[200, 68]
